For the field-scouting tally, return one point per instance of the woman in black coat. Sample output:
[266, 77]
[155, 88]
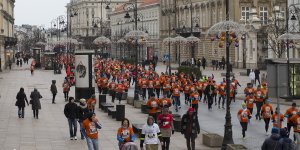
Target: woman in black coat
[35, 102]
[21, 98]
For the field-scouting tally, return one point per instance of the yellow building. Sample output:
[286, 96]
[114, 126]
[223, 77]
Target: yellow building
[7, 39]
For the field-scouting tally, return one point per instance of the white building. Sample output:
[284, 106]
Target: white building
[148, 21]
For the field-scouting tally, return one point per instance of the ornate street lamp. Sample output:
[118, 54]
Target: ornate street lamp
[192, 41]
[121, 42]
[168, 42]
[101, 41]
[179, 40]
[230, 29]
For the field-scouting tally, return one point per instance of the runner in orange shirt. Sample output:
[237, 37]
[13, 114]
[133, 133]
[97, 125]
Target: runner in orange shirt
[112, 88]
[164, 102]
[150, 86]
[153, 105]
[259, 100]
[186, 91]
[250, 102]
[144, 84]
[120, 89]
[194, 96]
[157, 86]
[222, 94]
[266, 113]
[288, 114]
[125, 133]
[275, 119]
[295, 120]
[249, 89]
[176, 97]
[244, 116]
[167, 89]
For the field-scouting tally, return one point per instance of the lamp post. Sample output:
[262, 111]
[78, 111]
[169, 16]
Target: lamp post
[179, 40]
[134, 35]
[169, 10]
[229, 29]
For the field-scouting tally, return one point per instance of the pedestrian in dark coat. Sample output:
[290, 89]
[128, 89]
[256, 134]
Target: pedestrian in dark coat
[190, 128]
[53, 91]
[272, 143]
[71, 113]
[35, 102]
[285, 141]
[203, 63]
[82, 113]
[21, 98]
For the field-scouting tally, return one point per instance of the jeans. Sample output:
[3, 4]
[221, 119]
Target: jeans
[66, 94]
[267, 122]
[223, 100]
[210, 101]
[244, 128]
[80, 124]
[21, 112]
[297, 134]
[177, 101]
[92, 144]
[72, 127]
[258, 106]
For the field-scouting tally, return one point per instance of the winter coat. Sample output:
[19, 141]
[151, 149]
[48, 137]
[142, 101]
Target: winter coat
[272, 143]
[82, 112]
[287, 143]
[53, 89]
[185, 123]
[21, 98]
[35, 97]
[252, 75]
[71, 110]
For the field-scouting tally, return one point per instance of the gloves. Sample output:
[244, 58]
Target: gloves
[173, 131]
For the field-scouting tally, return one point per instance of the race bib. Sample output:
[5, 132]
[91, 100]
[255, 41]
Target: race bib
[251, 101]
[93, 129]
[125, 134]
[268, 112]
[176, 91]
[153, 104]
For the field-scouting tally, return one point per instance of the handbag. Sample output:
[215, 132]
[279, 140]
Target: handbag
[16, 104]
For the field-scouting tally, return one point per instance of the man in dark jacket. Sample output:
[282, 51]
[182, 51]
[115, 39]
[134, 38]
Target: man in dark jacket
[71, 112]
[53, 91]
[190, 127]
[257, 72]
[272, 143]
[285, 141]
[209, 92]
[35, 102]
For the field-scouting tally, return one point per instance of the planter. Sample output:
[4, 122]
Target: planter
[130, 100]
[236, 147]
[138, 104]
[144, 109]
[177, 122]
[212, 140]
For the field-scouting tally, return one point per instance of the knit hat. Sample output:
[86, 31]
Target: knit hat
[284, 132]
[191, 109]
[82, 100]
[274, 130]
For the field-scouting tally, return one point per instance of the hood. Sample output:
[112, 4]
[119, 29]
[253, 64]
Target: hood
[275, 137]
[82, 106]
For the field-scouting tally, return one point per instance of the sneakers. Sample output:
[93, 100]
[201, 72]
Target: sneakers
[75, 138]
[71, 138]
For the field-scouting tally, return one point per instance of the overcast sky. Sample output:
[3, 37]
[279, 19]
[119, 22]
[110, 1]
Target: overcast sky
[39, 12]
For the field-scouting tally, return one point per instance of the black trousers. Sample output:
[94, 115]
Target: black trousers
[267, 122]
[258, 107]
[210, 101]
[244, 128]
[257, 80]
[251, 110]
[53, 98]
[195, 106]
[144, 93]
[166, 141]
[289, 126]
[157, 92]
[113, 96]
[21, 112]
[66, 94]
[150, 91]
[190, 140]
[36, 113]
[223, 100]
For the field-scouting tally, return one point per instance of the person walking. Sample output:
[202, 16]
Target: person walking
[252, 77]
[153, 106]
[66, 89]
[151, 135]
[35, 102]
[296, 124]
[203, 63]
[289, 114]
[165, 122]
[285, 141]
[89, 130]
[125, 135]
[20, 103]
[91, 103]
[209, 91]
[244, 117]
[82, 113]
[257, 77]
[53, 90]
[272, 143]
[71, 113]
[190, 128]
[9, 64]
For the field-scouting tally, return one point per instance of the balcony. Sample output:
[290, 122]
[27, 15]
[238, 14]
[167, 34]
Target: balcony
[10, 41]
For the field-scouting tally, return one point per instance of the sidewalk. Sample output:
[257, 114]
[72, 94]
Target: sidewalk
[50, 131]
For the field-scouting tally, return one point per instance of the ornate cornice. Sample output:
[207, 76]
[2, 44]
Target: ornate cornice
[7, 16]
[248, 1]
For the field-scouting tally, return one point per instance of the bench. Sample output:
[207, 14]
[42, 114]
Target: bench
[112, 111]
[137, 128]
[105, 106]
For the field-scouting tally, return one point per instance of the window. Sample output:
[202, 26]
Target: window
[263, 14]
[245, 12]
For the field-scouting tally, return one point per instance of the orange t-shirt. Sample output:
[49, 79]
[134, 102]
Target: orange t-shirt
[243, 115]
[176, 91]
[150, 84]
[290, 112]
[296, 120]
[259, 96]
[125, 133]
[157, 84]
[91, 103]
[153, 104]
[249, 90]
[275, 120]
[120, 88]
[187, 89]
[221, 90]
[250, 101]
[167, 87]
[195, 97]
[144, 83]
[267, 111]
[90, 129]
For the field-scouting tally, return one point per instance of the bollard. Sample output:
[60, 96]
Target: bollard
[120, 114]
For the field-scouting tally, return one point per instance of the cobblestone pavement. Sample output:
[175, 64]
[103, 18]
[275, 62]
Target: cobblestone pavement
[50, 131]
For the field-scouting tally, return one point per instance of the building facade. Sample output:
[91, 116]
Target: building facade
[7, 39]
[147, 21]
